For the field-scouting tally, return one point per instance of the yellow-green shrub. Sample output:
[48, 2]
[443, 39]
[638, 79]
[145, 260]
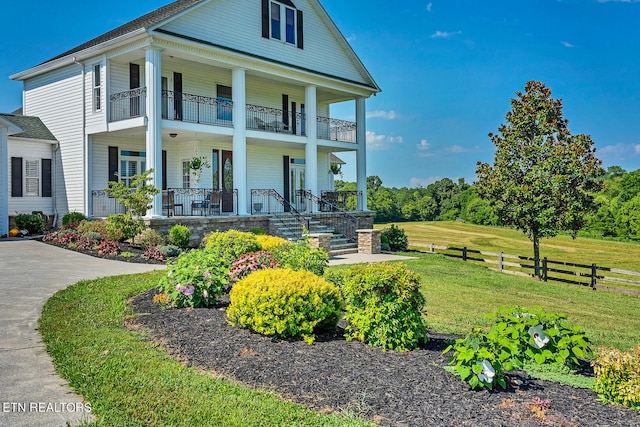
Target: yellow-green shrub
[285, 303]
[267, 243]
[230, 245]
[618, 376]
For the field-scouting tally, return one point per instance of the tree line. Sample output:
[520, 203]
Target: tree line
[618, 202]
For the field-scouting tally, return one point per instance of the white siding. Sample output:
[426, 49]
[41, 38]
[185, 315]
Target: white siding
[96, 119]
[57, 99]
[237, 24]
[29, 151]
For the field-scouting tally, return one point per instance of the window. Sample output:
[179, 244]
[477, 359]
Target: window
[225, 109]
[97, 95]
[131, 163]
[186, 174]
[32, 178]
[215, 170]
[282, 21]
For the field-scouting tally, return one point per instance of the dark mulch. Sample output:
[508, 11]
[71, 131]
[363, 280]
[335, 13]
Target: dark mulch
[389, 388]
[137, 251]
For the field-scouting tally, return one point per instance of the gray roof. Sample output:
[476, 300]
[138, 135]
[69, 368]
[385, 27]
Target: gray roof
[32, 127]
[145, 21]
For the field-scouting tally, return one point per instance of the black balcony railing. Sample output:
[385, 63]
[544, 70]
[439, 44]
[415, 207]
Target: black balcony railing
[196, 109]
[336, 130]
[129, 104]
[275, 120]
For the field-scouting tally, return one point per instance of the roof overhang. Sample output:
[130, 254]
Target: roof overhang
[12, 128]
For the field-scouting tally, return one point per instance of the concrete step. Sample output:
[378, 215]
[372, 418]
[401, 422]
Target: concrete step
[338, 252]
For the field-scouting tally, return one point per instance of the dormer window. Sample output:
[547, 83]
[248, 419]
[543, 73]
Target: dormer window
[282, 21]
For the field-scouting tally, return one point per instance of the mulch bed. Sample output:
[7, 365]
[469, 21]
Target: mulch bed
[388, 388]
[137, 251]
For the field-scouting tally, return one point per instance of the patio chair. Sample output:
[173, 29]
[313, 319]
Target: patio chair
[260, 124]
[168, 202]
[277, 126]
[214, 203]
[201, 205]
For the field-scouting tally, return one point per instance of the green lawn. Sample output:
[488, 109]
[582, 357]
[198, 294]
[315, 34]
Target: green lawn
[498, 239]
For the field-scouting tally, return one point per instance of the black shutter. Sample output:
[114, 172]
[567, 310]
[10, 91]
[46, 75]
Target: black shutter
[16, 177]
[285, 109]
[177, 100]
[285, 167]
[113, 164]
[46, 178]
[293, 119]
[164, 169]
[134, 76]
[265, 19]
[300, 31]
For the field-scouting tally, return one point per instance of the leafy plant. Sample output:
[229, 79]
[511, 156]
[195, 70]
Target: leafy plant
[258, 231]
[285, 303]
[384, 306]
[395, 237]
[72, 219]
[94, 226]
[268, 243]
[230, 245]
[300, 256]
[618, 376]
[195, 279]
[153, 252]
[150, 237]
[68, 236]
[251, 262]
[170, 251]
[33, 223]
[179, 236]
[109, 247]
[124, 226]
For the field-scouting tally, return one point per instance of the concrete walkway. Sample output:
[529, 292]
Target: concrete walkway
[31, 393]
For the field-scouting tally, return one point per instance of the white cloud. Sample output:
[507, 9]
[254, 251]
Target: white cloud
[423, 182]
[567, 44]
[429, 6]
[637, 149]
[613, 150]
[377, 142]
[389, 115]
[444, 34]
[424, 149]
[457, 149]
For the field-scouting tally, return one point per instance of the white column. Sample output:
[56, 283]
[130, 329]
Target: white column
[153, 83]
[361, 155]
[4, 181]
[311, 149]
[239, 94]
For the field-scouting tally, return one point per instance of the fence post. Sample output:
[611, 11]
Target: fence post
[594, 271]
[432, 248]
[500, 262]
[464, 253]
[544, 269]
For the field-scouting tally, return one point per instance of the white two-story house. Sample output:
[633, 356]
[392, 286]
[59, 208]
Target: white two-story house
[245, 85]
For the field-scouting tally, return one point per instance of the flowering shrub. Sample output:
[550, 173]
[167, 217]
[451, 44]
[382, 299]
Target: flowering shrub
[194, 279]
[300, 256]
[251, 262]
[230, 245]
[384, 306]
[268, 243]
[517, 334]
[618, 376]
[179, 236]
[285, 303]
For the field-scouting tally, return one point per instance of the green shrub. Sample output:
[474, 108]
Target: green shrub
[72, 219]
[94, 226]
[194, 279]
[384, 306]
[258, 231]
[230, 245]
[395, 237]
[618, 376]
[170, 251]
[150, 237]
[300, 256]
[124, 226]
[33, 223]
[179, 236]
[285, 303]
[517, 335]
[92, 235]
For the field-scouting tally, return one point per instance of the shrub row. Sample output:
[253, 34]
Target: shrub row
[618, 376]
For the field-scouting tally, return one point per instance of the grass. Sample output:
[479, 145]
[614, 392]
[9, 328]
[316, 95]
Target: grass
[132, 382]
[624, 255]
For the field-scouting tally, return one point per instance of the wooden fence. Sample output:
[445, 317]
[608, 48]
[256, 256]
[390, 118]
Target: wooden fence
[590, 275]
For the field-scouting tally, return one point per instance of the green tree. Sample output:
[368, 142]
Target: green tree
[628, 219]
[543, 177]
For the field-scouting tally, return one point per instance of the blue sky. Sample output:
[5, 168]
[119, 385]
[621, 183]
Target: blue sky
[447, 68]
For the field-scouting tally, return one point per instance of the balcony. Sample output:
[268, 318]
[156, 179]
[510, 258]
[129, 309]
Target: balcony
[190, 108]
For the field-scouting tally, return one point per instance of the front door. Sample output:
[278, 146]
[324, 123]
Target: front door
[296, 181]
[227, 181]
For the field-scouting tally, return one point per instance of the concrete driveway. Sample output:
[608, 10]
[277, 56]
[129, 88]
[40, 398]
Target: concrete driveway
[31, 393]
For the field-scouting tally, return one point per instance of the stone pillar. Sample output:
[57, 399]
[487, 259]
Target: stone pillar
[153, 83]
[239, 93]
[369, 241]
[311, 149]
[320, 240]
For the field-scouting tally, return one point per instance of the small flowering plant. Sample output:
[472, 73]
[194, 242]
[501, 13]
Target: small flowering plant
[250, 262]
[195, 167]
[194, 279]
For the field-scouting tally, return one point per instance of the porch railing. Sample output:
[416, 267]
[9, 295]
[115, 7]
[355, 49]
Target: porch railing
[176, 202]
[269, 201]
[191, 108]
[336, 130]
[275, 120]
[128, 104]
[340, 200]
[334, 218]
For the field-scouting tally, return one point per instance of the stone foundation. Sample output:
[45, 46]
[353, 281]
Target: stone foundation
[320, 240]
